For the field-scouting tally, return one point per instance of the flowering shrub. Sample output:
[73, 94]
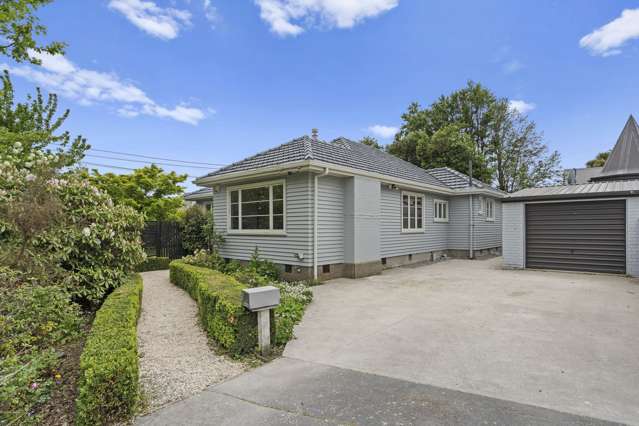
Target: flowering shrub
[294, 297]
[205, 259]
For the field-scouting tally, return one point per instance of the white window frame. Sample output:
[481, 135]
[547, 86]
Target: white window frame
[239, 188]
[490, 207]
[401, 212]
[440, 219]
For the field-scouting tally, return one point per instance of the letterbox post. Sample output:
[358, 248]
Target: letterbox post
[262, 300]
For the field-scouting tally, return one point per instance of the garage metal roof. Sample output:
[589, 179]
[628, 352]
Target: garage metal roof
[589, 190]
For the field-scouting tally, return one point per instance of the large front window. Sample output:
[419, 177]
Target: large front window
[412, 212]
[257, 207]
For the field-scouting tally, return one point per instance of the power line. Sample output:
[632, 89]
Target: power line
[128, 154]
[110, 166]
[157, 158]
[147, 162]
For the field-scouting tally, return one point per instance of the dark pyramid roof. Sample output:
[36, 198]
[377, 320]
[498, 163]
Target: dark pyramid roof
[623, 161]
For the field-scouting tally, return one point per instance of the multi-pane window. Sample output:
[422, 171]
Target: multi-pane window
[490, 209]
[257, 208]
[440, 211]
[412, 212]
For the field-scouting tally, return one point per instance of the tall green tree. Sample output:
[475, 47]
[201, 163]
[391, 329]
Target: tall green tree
[599, 160]
[371, 141]
[149, 190]
[519, 156]
[449, 147]
[507, 150]
[19, 28]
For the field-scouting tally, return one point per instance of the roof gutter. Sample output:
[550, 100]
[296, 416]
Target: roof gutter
[585, 195]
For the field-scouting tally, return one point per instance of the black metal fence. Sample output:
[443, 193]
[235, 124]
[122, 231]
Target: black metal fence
[163, 239]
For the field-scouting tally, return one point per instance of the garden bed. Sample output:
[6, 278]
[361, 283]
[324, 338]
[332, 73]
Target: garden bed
[219, 297]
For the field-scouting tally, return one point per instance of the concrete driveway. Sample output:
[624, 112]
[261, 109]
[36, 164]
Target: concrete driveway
[564, 341]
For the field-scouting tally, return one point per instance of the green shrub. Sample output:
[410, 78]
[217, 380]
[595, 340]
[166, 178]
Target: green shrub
[219, 299]
[263, 267]
[153, 263]
[33, 321]
[295, 297]
[108, 386]
[193, 231]
[205, 259]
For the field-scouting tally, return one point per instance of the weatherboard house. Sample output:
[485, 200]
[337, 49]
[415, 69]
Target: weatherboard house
[331, 209]
[590, 227]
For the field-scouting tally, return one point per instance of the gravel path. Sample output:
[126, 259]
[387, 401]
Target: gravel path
[175, 359]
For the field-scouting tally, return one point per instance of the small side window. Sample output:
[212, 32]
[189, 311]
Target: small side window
[440, 213]
[490, 210]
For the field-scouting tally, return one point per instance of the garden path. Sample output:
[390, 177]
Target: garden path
[175, 358]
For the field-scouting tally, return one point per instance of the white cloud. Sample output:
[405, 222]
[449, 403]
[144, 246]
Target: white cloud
[608, 39]
[383, 132]
[287, 17]
[89, 87]
[164, 23]
[512, 66]
[520, 106]
[210, 12]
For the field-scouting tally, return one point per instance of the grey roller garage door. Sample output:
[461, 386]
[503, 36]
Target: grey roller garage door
[577, 236]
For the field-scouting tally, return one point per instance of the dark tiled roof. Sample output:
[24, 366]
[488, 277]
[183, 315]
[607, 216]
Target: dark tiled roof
[197, 194]
[454, 179]
[624, 158]
[341, 151]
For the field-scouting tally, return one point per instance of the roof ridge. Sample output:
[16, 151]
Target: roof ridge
[266, 151]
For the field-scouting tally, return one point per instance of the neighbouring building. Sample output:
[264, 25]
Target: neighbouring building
[591, 226]
[341, 208]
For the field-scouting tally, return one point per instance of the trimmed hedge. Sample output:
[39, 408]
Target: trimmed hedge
[219, 300]
[153, 263]
[108, 385]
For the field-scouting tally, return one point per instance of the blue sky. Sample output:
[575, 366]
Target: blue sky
[218, 80]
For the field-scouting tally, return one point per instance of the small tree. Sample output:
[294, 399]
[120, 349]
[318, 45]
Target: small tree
[371, 141]
[18, 28]
[599, 160]
[50, 214]
[149, 190]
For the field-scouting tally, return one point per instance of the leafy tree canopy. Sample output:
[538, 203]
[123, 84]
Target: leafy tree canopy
[371, 141]
[599, 160]
[56, 228]
[149, 190]
[473, 124]
[18, 29]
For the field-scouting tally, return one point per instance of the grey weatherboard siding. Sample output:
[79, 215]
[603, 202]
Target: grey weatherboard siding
[278, 248]
[394, 242]
[330, 220]
[333, 229]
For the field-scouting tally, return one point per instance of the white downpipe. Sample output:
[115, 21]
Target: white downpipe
[470, 225]
[315, 220]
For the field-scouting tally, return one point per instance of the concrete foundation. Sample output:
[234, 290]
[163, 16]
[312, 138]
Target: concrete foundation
[359, 270]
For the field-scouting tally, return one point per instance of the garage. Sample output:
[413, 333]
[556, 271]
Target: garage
[585, 236]
[586, 227]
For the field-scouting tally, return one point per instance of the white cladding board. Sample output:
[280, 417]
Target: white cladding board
[513, 230]
[632, 236]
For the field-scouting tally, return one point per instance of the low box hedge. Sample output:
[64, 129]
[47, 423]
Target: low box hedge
[219, 300]
[153, 263]
[108, 385]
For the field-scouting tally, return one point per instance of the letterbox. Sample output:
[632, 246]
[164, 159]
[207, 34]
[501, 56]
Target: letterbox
[259, 298]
